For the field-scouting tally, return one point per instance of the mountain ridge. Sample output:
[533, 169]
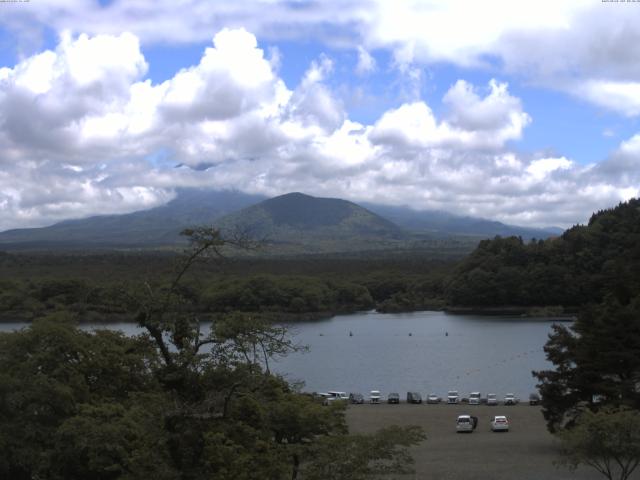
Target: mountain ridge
[290, 213]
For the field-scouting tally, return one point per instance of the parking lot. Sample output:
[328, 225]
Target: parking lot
[526, 452]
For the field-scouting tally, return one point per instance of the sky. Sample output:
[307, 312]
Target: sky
[522, 112]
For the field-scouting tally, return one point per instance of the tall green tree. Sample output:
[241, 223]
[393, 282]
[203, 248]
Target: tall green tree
[596, 363]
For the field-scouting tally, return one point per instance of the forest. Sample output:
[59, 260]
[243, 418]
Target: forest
[582, 266]
[556, 275]
[92, 285]
[567, 271]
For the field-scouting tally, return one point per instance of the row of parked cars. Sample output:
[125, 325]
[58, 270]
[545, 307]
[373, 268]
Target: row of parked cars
[476, 398]
[453, 397]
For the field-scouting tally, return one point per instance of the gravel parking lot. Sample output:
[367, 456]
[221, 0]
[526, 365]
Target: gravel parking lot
[526, 452]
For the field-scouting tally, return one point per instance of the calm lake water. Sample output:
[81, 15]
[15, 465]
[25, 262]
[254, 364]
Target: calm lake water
[412, 351]
[480, 353]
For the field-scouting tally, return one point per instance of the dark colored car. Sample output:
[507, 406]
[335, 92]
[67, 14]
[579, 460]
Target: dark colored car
[414, 397]
[393, 398]
[534, 399]
[356, 398]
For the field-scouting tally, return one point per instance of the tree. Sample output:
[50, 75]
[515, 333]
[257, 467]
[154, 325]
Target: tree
[596, 360]
[52, 373]
[358, 457]
[608, 441]
[178, 402]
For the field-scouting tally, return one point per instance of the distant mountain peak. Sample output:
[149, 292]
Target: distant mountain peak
[302, 210]
[301, 219]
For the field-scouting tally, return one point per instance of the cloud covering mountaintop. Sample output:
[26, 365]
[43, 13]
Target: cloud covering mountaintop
[84, 130]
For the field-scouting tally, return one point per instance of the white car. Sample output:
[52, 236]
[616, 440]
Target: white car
[332, 396]
[374, 396]
[466, 423]
[510, 399]
[500, 423]
[453, 397]
[339, 395]
[474, 398]
[433, 398]
[492, 399]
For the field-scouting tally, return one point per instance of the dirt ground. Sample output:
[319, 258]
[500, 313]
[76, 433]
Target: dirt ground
[526, 452]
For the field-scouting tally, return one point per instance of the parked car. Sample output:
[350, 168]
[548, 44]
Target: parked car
[474, 398]
[510, 399]
[433, 398]
[492, 399]
[356, 398]
[374, 396]
[334, 396]
[452, 396]
[500, 424]
[414, 397]
[534, 399]
[339, 395]
[466, 423]
[323, 397]
[393, 398]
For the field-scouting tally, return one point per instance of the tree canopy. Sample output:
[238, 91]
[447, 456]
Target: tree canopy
[607, 441]
[175, 402]
[596, 363]
[582, 266]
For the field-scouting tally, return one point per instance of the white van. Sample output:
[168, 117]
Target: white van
[374, 396]
[474, 398]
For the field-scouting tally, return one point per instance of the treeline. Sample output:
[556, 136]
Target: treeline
[580, 267]
[95, 290]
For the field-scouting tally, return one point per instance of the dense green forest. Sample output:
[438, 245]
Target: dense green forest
[580, 267]
[93, 285]
[548, 276]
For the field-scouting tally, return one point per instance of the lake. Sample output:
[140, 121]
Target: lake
[429, 352]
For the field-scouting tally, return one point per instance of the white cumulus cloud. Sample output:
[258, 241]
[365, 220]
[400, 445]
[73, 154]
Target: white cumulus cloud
[83, 132]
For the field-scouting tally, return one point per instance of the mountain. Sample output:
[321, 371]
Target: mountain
[298, 223]
[294, 223]
[146, 228]
[446, 224]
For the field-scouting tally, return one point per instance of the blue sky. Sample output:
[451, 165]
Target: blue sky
[523, 113]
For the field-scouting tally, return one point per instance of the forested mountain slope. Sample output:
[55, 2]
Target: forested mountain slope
[581, 266]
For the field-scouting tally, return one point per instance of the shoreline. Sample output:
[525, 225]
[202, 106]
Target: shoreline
[546, 313]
